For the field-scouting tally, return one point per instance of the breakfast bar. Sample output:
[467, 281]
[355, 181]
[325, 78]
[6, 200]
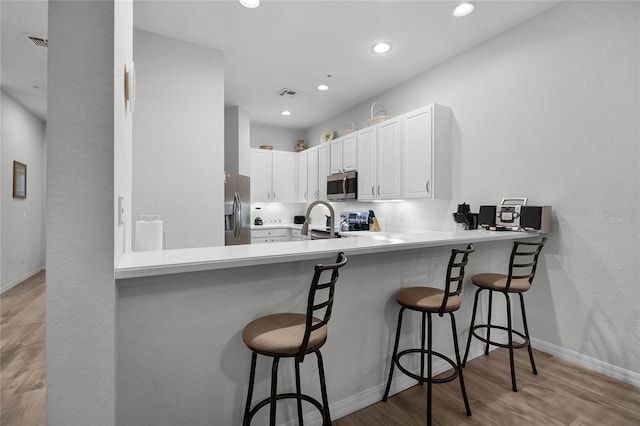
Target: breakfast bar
[181, 359]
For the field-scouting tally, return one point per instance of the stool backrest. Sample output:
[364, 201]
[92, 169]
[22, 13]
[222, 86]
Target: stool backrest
[455, 273]
[524, 260]
[317, 302]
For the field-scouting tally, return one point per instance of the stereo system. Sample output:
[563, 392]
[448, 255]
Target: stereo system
[515, 217]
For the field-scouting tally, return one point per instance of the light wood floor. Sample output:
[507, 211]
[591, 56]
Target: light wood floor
[562, 394]
[22, 356]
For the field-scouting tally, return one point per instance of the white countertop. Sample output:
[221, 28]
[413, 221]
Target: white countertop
[163, 262]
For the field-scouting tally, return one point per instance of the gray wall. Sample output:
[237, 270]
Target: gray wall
[237, 137]
[178, 139]
[549, 110]
[22, 230]
[86, 133]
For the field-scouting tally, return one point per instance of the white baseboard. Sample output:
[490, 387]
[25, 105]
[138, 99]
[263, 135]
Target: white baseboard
[18, 280]
[585, 361]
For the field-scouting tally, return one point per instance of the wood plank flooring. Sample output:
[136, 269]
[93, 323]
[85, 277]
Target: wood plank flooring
[562, 394]
[22, 354]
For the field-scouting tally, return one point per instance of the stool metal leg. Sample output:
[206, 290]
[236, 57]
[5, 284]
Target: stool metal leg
[486, 348]
[473, 322]
[323, 389]
[274, 391]
[459, 367]
[429, 371]
[252, 376]
[526, 333]
[298, 391]
[510, 336]
[422, 347]
[393, 356]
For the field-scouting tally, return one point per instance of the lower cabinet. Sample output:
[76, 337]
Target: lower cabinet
[272, 235]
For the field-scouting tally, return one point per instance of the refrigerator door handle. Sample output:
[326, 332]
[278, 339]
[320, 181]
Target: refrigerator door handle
[239, 215]
[235, 215]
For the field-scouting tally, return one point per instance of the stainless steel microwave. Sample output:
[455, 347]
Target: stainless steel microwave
[342, 186]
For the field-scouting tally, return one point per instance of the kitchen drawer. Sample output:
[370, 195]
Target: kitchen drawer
[280, 239]
[271, 232]
[260, 240]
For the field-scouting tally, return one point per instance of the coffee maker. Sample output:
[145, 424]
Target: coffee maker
[464, 218]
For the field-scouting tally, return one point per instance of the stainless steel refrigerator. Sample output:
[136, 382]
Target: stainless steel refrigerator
[237, 210]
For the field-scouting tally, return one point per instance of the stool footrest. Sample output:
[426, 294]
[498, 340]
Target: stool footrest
[289, 395]
[515, 345]
[424, 379]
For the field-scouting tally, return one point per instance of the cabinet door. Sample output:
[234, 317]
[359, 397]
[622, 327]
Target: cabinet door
[261, 175]
[324, 170]
[312, 175]
[417, 181]
[366, 143]
[336, 156]
[389, 160]
[349, 152]
[303, 194]
[284, 177]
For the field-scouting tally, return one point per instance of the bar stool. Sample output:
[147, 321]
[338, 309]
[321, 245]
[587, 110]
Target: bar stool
[293, 335]
[430, 300]
[522, 269]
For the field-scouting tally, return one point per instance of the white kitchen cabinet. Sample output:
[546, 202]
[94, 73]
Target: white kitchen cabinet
[344, 154]
[379, 161]
[271, 235]
[296, 235]
[324, 170]
[312, 175]
[426, 150]
[273, 176]
[302, 161]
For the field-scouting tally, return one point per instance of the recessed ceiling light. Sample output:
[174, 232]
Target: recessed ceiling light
[382, 47]
[286, 112]
[251, 4]
[323, 87]
[463, 9]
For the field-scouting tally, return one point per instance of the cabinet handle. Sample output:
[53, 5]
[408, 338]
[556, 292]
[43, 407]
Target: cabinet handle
[274, 196]
[317, 194]
[378, 190]
[373, 190]
[428, 187]
[305, 197]
[268, 195]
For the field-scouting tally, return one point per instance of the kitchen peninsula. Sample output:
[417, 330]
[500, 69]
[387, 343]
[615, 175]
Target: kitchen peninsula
[181, 359]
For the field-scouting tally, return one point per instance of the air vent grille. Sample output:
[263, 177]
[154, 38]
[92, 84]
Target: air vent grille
[288, 93]
[39, 41]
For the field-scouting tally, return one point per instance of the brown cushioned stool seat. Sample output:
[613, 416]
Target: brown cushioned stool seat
[522, 269]
[427, 301]
[499, 282]
[281, 334]
[292, 335]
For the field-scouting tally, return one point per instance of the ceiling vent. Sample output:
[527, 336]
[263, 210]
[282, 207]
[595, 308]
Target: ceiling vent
[288, 93]
[39, 41]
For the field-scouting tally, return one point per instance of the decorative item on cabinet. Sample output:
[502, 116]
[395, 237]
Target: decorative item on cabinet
[327, 136]
[377, 116]
[269, 147]
[349, 127]
[300, 145]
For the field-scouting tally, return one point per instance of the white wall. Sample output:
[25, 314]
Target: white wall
[237, 139]
[86, 133]
[280, 138]
[550, 110]
[178, 148]
[23, 242]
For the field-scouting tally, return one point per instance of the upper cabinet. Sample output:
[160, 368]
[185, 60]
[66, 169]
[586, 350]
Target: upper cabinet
[344, 154]
[324, 170]
[379, 161]
[426, 153]
[273, 176]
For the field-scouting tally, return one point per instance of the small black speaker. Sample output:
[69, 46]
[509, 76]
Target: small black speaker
[536, 218]
[487, 216]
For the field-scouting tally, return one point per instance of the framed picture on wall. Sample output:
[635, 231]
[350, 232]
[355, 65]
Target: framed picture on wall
[19, 180]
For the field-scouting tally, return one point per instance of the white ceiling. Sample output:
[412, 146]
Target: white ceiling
[286, 44]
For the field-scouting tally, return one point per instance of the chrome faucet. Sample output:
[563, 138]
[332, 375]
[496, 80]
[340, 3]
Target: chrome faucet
[305, 226]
